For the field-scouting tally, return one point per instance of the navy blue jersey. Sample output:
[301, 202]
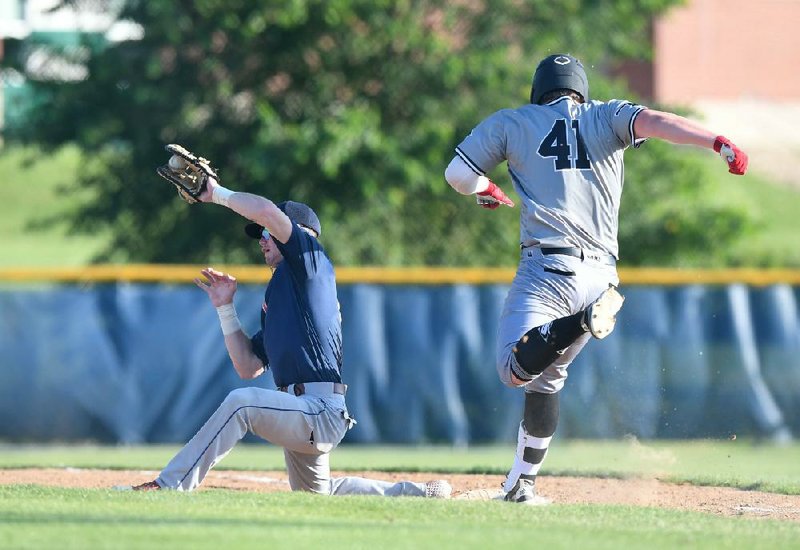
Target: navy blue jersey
[301, 329]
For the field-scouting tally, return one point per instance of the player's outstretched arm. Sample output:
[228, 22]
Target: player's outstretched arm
[676, 129]
[253, 207]
[220, 288]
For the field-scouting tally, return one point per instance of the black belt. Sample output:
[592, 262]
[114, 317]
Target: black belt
[576, 252]
[300, 388]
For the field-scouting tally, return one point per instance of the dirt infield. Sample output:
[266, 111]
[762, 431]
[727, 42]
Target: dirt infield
[561, 490]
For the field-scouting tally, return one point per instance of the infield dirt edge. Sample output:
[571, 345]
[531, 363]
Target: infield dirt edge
[723, 501]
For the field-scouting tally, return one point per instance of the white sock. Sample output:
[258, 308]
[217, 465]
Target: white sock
[521, 467]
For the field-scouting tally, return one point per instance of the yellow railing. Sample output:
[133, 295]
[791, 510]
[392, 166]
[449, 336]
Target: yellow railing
[173, 273]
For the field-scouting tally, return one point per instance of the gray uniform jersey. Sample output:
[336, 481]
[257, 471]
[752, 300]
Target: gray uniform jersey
[565, 160]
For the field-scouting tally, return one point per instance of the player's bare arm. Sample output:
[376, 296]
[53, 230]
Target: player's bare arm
[247, 365]
[220, 288]
[673, 128]
[253, 207]
[680, 130]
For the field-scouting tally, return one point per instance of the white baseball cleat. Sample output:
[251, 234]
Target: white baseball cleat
[601, 315]
[524, 492]
[439, 488]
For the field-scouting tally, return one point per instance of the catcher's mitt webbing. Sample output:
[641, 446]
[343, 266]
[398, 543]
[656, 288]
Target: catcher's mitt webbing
[187, 172]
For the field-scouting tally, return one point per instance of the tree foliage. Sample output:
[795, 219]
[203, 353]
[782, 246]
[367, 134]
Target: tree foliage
[353, 106]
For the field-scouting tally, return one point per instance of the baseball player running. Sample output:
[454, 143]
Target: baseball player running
[300, 341]
[565, 158]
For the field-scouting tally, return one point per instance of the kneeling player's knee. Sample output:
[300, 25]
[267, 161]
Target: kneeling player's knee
[237, 394]
[237, 398]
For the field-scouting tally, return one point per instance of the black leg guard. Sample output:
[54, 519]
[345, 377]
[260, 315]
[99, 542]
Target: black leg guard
[540, 346]
[541, 414]
[540, 420]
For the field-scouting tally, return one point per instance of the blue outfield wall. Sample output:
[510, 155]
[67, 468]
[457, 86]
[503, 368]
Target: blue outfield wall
[140, 362]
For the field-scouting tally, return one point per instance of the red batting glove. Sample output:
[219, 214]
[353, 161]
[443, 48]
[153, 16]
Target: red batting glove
[493, 197]
[735, 157]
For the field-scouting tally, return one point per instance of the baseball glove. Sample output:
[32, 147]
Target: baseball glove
[187, 172]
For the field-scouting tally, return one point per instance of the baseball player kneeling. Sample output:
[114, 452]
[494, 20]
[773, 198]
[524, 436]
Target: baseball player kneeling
[300, 341]
[565, 157]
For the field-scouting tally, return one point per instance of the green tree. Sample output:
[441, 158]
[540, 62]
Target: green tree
[353, 106]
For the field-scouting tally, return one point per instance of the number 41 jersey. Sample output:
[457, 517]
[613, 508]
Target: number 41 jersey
[565, 160]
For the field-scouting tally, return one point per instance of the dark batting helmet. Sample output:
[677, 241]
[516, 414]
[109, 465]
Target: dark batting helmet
[556, 72]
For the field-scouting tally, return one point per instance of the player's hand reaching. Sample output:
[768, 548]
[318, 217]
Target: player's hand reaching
[219, 286]
[735, 157]
[493, 197]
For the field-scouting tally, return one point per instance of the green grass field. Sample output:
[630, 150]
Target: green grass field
[32, 204]
[58, 518]
[44, 517]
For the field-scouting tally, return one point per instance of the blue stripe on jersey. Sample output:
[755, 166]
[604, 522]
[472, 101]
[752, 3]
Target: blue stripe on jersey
[474, 167]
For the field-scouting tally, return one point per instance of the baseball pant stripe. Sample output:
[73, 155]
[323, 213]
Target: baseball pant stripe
[229, 419]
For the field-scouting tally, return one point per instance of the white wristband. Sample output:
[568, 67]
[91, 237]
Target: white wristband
[228, 319]
[221, 195]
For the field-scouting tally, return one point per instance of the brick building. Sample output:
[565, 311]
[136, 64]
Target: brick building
[735, 62]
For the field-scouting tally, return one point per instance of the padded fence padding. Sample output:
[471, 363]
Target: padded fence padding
[133, 363]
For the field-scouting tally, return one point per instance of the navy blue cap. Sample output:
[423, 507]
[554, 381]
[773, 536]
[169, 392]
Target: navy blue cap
[299, 213]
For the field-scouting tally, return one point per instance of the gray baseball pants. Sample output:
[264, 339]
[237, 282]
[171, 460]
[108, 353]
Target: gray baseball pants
[308, 427]
[546, 288]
